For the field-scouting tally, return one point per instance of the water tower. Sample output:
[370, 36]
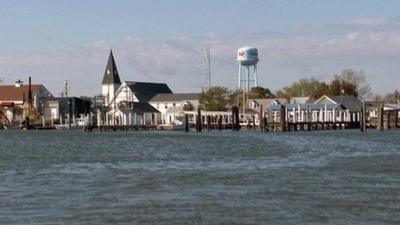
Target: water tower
[247, 57]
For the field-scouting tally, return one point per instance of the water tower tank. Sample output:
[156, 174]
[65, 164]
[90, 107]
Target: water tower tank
[247, 56]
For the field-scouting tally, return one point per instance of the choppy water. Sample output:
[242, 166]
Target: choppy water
[62, 177]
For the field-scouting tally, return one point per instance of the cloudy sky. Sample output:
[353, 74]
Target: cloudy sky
[164, 41]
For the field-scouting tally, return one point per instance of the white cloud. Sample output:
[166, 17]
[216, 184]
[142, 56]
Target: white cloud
[368, 21]
[180, 61]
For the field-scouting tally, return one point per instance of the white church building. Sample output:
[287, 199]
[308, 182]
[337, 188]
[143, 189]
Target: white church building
[127, 102]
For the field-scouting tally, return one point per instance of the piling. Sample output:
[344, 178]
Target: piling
[283, 118]
[186, 122]
[198, 121]
[254, 121]
[363, 120]
[235, 118]
[208, 122]
[380, 118]
[396, 118]
[220, 122]
[261, 119]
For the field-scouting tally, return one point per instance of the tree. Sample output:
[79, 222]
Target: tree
[188, 107]
[356, 79]
[322, 89]
[392, 97]
[260, 92]
[215, 99]
[303, 88]
[341, 87]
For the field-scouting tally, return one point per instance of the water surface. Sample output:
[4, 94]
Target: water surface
[71, 177]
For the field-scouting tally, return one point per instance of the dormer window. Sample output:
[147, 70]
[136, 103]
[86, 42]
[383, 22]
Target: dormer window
[108, 71]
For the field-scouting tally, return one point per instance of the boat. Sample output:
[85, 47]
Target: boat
[174, 125]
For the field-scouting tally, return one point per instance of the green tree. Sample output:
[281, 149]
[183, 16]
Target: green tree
[188, 107]
[303, 88]
[260, 92]
[322, 89]
[341, 87]
[215, 99]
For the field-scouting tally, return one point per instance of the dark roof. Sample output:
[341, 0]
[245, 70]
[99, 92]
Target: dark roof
[145, 91]
[175, 97]
[111, 75]
[352, 103]
[141, 107]
[13, 93]
[277, 107]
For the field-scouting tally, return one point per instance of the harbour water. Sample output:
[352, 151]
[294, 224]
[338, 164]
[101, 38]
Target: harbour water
[71, 177]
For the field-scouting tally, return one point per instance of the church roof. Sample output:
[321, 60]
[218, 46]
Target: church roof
[145, 91]
[111, 75]
[163, 97]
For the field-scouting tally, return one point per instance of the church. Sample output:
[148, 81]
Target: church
[127, 103]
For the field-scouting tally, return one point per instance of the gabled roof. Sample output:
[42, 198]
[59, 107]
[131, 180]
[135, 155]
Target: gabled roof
[306, 106]
[350, 102]
[111, 75]
[162, 97]
[13, 93]
[145, 91]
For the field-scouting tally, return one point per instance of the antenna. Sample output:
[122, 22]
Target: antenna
[208, 58]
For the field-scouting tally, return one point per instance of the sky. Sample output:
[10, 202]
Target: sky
[164, 41]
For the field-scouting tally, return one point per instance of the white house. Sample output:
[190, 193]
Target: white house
[171, 106]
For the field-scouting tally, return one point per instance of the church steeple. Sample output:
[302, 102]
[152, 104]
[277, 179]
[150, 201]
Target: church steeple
[111, 75]
[111, 81]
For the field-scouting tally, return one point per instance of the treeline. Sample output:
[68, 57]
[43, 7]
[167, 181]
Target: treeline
[348, 82]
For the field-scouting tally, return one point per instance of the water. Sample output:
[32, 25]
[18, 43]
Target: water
[70, 177]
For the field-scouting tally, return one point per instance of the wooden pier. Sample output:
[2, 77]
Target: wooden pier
[282, 119]
[106, 128]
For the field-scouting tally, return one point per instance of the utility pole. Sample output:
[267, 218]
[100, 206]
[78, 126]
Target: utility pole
[208, 58]
[66, 88]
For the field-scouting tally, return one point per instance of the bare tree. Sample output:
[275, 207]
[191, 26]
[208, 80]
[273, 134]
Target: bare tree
[358, 79]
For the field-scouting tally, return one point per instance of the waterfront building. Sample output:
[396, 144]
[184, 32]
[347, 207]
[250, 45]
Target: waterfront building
[61, 109]
[350, 103]
[325, 109]
[172, 106]
[15, 98]
[130, 105]
[127, 103]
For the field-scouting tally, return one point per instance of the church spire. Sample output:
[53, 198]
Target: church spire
[111, 75]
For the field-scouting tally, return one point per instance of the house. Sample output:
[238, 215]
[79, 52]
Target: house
[265, 103]
[310, 112]
[350, 103]
[63, 108]
[171, 106]
[14, 98]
